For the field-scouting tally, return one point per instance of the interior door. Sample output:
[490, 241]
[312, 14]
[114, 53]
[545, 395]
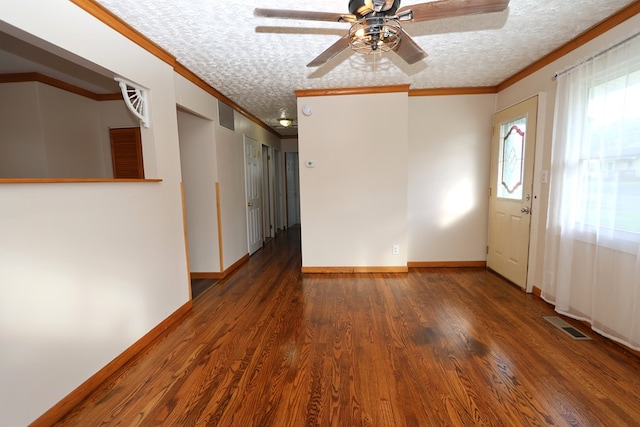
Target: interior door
[513, 149]
[253, 189]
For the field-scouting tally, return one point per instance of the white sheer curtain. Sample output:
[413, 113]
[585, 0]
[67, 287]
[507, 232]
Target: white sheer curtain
[592, 250]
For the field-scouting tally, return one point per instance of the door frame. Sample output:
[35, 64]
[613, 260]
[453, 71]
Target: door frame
[510, 219]
[268, 214]
[540, 189]
[246, 140]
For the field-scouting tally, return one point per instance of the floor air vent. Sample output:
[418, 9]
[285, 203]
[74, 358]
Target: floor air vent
[566, 328]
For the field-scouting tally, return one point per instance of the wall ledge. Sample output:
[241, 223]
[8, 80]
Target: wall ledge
[69, 180]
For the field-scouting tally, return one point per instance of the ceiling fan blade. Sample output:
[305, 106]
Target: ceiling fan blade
[409, 50]
[332, 51]
[303, 15]
[453, 8]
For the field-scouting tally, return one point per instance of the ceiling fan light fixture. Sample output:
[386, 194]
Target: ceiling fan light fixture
[284, 122]
[375, 34]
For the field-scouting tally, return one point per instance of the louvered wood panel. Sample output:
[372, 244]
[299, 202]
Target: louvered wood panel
[126, 153]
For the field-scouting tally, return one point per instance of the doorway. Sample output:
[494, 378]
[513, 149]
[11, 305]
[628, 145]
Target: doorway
[293, 189]
[511, 190]
[267, 193]
[279, 199]
[253, 192]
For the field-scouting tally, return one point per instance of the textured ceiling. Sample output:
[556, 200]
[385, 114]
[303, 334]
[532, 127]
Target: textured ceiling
[258, 62]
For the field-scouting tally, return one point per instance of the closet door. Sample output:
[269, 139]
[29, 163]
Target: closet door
[126, 153]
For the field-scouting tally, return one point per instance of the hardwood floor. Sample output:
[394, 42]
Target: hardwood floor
[434, 347]
[198, 286]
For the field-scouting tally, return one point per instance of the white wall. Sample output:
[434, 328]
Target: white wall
[22, 151]
[449, 165]
[87, 269]
[48, 132]
[233, 206]
[199, 177]
[353, 203]
[541, 82]
[71, 130]
[289, 145]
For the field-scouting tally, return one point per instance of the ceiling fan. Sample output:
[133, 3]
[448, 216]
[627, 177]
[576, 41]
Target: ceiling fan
[375, 24]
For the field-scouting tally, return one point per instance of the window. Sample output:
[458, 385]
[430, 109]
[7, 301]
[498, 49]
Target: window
[609, 168]
[511, 161]
[592, 244]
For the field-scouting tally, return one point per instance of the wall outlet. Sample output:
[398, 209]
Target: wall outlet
[395, 250]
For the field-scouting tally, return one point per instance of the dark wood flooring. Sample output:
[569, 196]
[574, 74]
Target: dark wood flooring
[434, 347]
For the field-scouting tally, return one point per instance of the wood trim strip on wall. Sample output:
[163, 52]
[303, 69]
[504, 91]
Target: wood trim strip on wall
[349, 270]
[206, 275]
[60, 409]
[480, 90]
[588, 35]
[235, 265]
[300, 93]
[219, 213]
[220, 275]
[41, 78]
[447, 264]
[186, 237]
[71, 180]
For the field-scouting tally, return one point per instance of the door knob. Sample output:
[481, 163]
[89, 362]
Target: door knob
[249, 204]
[525, 210]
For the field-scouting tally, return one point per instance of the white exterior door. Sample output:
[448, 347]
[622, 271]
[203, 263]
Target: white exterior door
[253, 189]
[514, 135]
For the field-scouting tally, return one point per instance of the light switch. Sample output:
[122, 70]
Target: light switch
[310, 163]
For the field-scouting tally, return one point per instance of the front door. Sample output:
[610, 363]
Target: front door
[514, 135]
[253, 190]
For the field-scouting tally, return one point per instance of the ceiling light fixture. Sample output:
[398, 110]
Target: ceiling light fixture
[285, 122]
[375, 34]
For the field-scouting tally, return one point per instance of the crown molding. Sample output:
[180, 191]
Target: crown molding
[41, 78]
[582, 39]
[113, 21]
[454, 91]
[302, 93]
